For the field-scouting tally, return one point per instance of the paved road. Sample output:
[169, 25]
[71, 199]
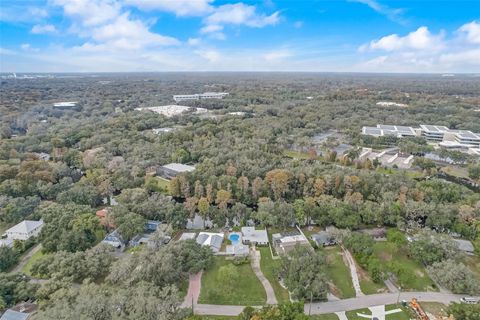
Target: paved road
[341, 305]
[255, 261]
[379, 299]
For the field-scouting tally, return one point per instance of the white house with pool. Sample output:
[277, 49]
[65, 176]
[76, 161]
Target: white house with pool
[252, 236]
[236, 248]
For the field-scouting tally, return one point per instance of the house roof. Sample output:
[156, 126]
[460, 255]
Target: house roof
[238, 249]
[321, 237]
[252, 235]
[213, 240]
[14, 315]
[179, 167]
[464, 245]
[26, 226]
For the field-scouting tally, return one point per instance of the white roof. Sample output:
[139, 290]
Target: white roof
[187, 236]
[252, 235]
[26, 226]
[179, 167]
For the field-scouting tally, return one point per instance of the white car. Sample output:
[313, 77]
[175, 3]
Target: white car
[469, 300]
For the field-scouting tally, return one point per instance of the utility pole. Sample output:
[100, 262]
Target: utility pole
[310, 306]
[399, 291]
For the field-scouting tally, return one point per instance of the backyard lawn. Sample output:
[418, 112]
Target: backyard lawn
[410, 274]
[339, 273]
[269, 267]
[240, 287]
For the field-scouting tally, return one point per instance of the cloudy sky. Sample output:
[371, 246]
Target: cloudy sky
[228, 35]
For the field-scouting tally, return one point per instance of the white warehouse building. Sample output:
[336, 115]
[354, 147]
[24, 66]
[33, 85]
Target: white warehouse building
[198, 96]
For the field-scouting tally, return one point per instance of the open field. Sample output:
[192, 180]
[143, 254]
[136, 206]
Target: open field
[435, 308]
[247, 291]
[370, 287]
[456, 171]
[269, 267]
[410, 274]
[403, 315]
[295, 154]
[339, 273]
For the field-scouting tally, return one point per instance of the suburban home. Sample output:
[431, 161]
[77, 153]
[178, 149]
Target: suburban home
[172, 170]
[378, 234]
[152, 225]
[213, 240]
[104, 218]
[323, 239]
[25, 230]
[21, 311]
[286, 242]
[255, 237]
[237, 250]
[465, 246]
[114, 239]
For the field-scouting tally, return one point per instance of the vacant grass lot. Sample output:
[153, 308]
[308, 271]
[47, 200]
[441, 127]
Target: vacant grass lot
[339, 273]
[295, 154]
[411, 275]
[246, 291]
[269, 268]
[370, 287]
[403, 315]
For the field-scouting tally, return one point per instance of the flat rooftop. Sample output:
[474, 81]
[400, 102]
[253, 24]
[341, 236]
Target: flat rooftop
[179, 167]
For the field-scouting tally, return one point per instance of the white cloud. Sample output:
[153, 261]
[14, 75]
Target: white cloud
[391, 13]
[467, 57]
[241, 14]
[277, 55]
[421, 39]
[22, 13]
[43, 28]
[90, 12]
[179, 7]
[194, 41]
[211, 28]
[210, 55]
[472, 31]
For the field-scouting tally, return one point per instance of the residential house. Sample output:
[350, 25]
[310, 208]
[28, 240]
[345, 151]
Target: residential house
[465, 246]
[213, 240]
[21, 311]
[105, 220]
[286, 242]
[323, 239]
[6, 243]
[114, 239]
[237, 250]
[187, 236]
[255, 237]
[25, 230]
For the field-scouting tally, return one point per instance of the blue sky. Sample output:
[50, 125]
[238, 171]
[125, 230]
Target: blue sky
[222, 35]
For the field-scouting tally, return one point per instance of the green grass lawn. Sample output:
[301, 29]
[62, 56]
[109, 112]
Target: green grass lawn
[247, 290]
[435, 308]
[269, 267]
[412, 276]
[35, 257]
[339, 273]
[295, 154]
[370, 287]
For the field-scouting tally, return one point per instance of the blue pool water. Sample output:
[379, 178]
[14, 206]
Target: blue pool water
[235, 238]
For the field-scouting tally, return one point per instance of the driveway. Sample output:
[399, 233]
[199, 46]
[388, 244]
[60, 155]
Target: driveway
[353, 272]
[194, 286]
[24, 259]
[255, 261]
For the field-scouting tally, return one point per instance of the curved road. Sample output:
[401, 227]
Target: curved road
[341, 305]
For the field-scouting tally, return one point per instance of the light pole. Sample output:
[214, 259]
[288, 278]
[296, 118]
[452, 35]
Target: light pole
[399, 291]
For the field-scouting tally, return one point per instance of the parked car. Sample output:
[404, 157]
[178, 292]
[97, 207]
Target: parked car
[469, 300]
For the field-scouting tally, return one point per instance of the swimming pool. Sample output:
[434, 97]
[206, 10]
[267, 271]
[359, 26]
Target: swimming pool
[235, 238]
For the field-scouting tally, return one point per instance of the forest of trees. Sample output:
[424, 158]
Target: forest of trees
[104, 150]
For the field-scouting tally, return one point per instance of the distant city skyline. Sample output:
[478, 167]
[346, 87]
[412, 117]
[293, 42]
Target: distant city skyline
[269, 35]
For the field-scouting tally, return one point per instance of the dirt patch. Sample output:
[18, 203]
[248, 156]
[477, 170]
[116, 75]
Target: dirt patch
[419, 273]
[333, 289]
[385, 256]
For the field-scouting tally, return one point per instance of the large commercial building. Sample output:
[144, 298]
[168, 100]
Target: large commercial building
[389, 130]
[462, 140]
[198, 96]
